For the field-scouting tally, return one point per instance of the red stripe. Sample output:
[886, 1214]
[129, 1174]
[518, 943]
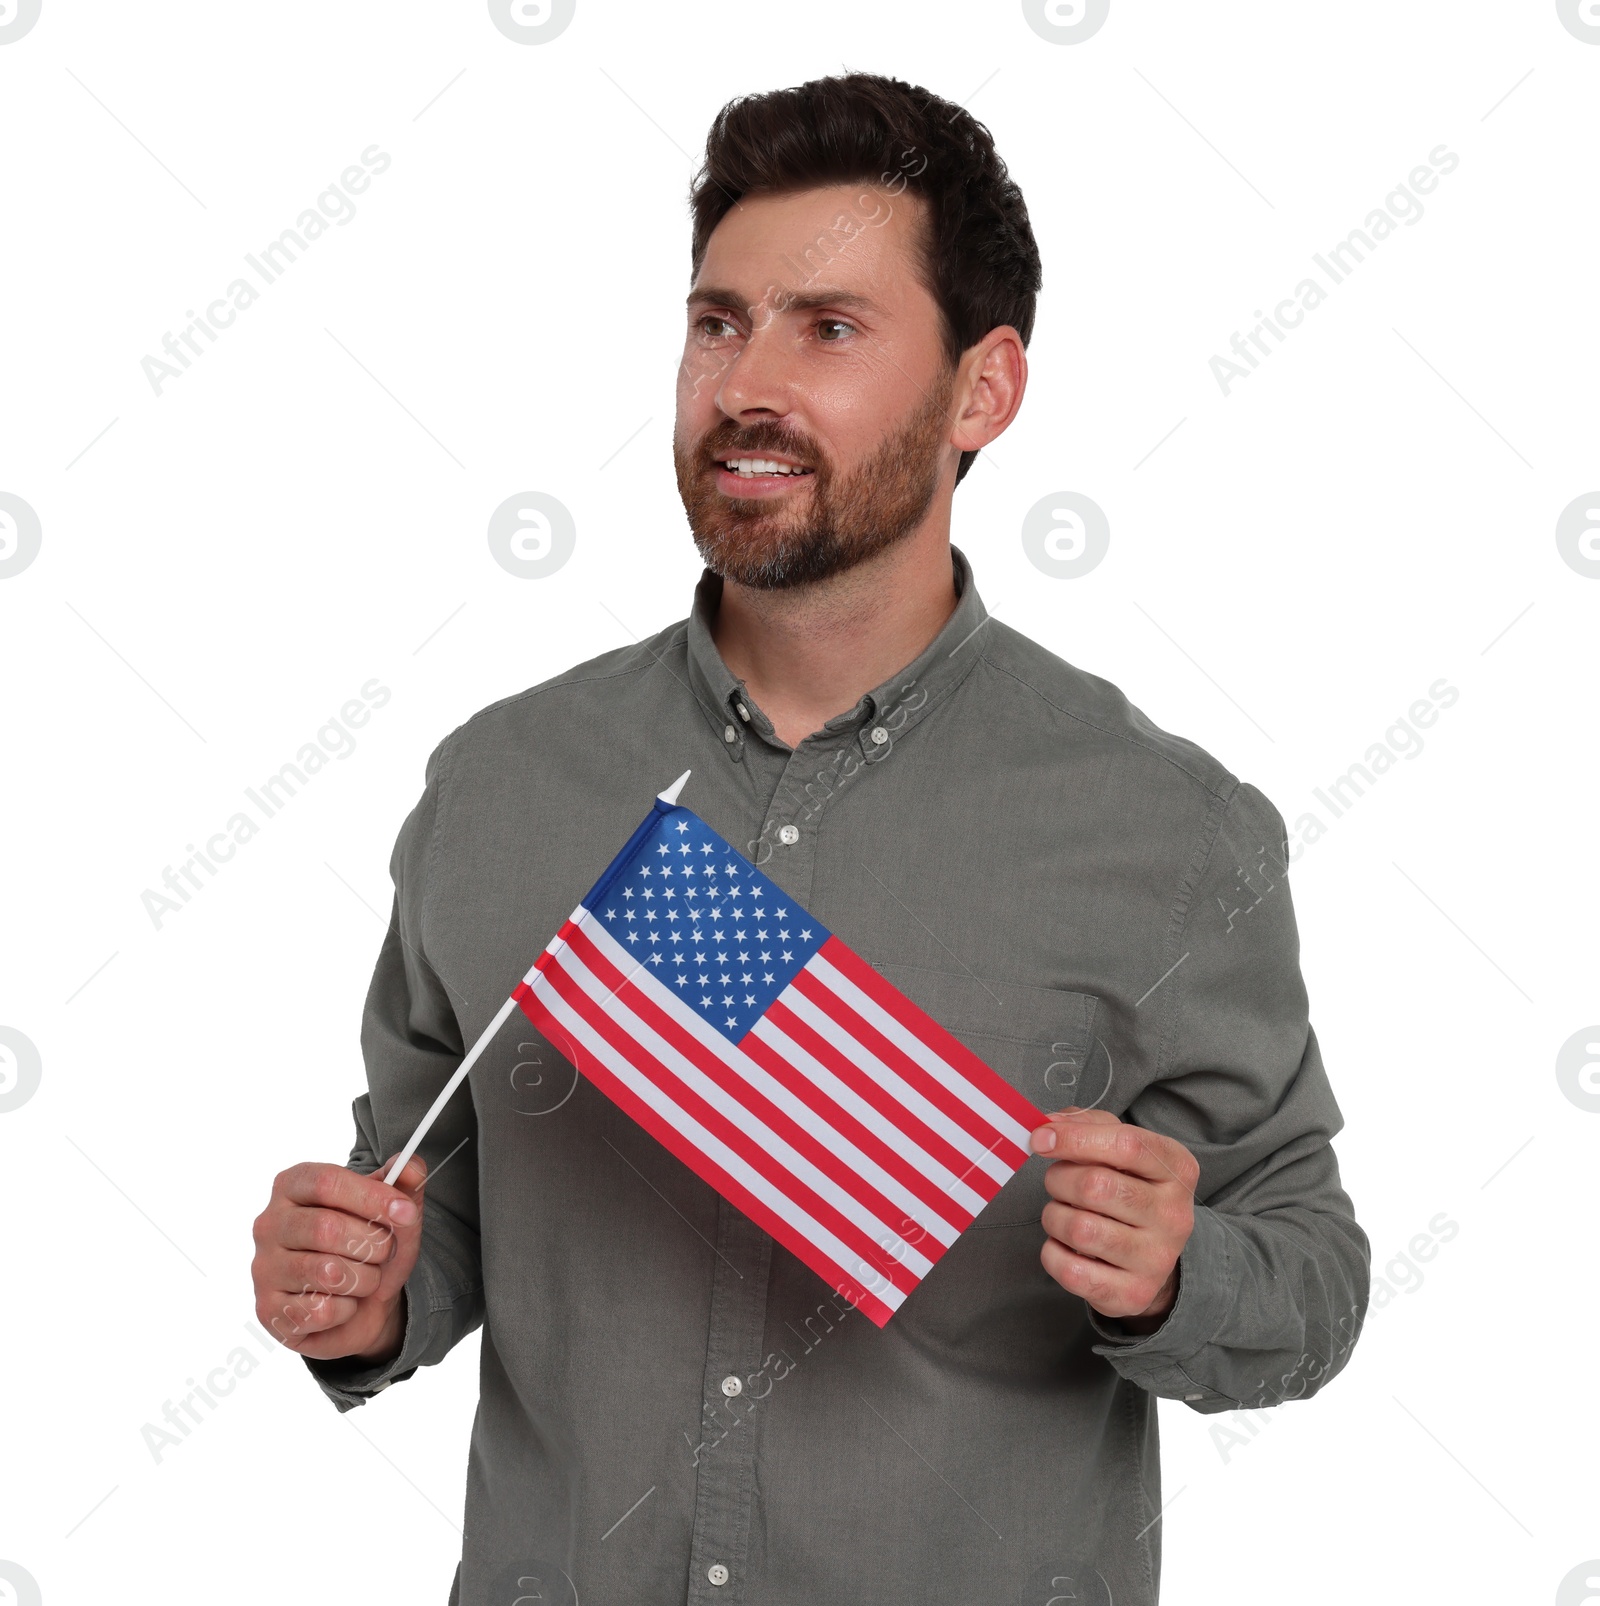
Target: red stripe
[950, 1049]
[880, 1098]
[701, 1164]
[942, 1098]
[893, 1216]
[627, 995]
[864, 1138]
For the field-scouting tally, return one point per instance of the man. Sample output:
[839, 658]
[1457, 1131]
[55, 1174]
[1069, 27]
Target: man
[674, 1408]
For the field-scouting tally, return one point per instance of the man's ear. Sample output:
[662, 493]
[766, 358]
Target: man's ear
[990, 381]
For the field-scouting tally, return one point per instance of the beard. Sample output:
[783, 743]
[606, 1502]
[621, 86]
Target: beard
[839, 521]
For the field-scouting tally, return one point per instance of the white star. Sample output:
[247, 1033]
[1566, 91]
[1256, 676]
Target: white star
[787, 954]
[663, 849]
[749, 998]
[805, 936]
[633, 936]
[783, 914]
[683, 825]
[767, 976]
[705, 847]
[732, 1022]
[706, 1001]
[655, 959]
[727, 998]
[627, 892]
[611, 914]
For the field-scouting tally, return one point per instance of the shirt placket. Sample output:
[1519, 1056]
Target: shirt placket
[724, 1456]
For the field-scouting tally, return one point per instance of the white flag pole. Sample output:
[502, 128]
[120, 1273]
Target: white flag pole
[501, 1016]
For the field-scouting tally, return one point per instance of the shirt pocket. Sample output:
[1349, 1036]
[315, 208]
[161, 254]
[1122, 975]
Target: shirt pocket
[1044, 1041]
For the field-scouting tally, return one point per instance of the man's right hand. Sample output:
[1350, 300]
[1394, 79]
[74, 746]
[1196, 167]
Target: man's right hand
[333, 1251]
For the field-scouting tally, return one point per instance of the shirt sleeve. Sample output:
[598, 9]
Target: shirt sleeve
[1274, 1281]
[411, 1043]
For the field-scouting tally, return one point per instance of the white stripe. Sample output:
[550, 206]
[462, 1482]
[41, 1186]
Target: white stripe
[742, 1065]
[648, 1093]
[945, 1180]
[893, 1083]
[871, 1011]
[780, 1151]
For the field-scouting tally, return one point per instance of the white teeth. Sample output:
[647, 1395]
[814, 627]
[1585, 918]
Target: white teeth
[759, 465]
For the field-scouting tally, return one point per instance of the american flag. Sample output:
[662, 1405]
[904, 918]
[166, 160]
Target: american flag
[775, 1062]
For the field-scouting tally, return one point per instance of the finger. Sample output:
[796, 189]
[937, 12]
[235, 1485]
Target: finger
[411, 1178]
[1119, 1145]
[1100, 1238]
[336, 1187]
[332, 1232]
[295, 1271]
[1109, 1193]
[295, 1318]
[1111, 1291]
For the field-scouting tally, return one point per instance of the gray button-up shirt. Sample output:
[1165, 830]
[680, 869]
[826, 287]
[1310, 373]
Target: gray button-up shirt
[673, 1407]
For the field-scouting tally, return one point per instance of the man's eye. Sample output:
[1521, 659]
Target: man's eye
[837, 323]
[711, 317]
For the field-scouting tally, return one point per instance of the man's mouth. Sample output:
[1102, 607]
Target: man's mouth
[750, 468]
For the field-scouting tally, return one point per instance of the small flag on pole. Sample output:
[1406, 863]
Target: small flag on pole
[778, 1065]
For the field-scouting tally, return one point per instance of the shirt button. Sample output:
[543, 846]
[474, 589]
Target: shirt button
[879, 735]
[744, 713]
[717, 1573]
[788, 835]
[732, 1386]
[728, 733]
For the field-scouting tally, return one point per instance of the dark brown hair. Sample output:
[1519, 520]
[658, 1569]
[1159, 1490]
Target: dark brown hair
[981, 261]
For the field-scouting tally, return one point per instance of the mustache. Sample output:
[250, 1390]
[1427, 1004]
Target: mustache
[719, 447]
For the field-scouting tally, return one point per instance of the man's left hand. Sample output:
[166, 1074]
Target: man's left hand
[1122, 1210]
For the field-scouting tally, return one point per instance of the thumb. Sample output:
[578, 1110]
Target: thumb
[410, 1182]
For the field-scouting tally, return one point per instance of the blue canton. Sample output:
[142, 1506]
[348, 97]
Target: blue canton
[706, 922]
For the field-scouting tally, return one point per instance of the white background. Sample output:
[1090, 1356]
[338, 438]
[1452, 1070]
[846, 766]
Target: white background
[224, 565]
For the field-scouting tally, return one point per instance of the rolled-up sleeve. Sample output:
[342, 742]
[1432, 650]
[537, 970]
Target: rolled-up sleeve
[411, 1044]
[1274, 1280]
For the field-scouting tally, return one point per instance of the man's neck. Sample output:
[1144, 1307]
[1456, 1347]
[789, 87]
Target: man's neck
[810, 652]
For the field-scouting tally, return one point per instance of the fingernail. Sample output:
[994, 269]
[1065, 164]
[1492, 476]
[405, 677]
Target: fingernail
[402, 1211]
[1044, 1140]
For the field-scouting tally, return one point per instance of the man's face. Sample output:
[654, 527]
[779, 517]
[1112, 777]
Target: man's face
[811, 343]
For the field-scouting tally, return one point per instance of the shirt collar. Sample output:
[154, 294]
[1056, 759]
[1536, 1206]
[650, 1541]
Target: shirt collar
[891, 708]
